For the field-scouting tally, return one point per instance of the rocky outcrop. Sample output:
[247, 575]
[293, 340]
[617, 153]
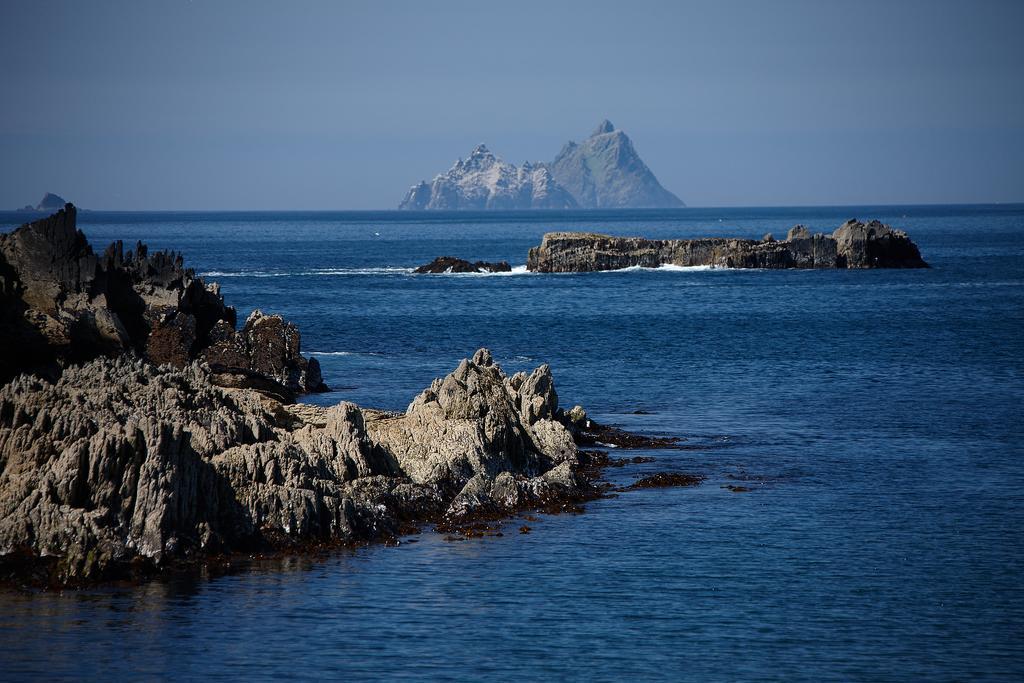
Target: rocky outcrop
[852, 245]
[121, 464]
[451, 264]
[62, 303]
[265, 349]
[606, 172]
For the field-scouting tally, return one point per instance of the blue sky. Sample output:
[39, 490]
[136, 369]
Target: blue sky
[334, 105]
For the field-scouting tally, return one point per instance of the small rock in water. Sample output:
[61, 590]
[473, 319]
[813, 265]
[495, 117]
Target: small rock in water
[452, 264]
[666, 479]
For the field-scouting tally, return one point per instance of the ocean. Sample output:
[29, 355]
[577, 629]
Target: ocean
[875, 417]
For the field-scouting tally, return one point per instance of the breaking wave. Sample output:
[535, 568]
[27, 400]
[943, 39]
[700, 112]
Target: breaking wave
[343, 353]
[387, 270]
[665, 268]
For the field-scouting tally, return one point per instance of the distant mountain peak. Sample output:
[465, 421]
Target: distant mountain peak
[50, 202]
[603, 171]
[481, 151]
[483, 181]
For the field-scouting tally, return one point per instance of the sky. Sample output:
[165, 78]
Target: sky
[154, 105]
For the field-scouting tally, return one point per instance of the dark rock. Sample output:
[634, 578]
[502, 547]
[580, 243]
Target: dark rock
[267, 346]
[451, 264]
[61, 303]
[587, 432]
[171, 339]
[666, 479]
[852, 245]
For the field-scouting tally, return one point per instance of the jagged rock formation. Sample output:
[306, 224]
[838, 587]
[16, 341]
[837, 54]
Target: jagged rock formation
[852, 245]
[603, 171]
[483, 181]
[122, 464]
[61, 303]
[451, 264]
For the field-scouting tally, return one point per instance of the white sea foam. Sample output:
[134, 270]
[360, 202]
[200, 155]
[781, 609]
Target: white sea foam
[664, 268]
[388, 270]
[342, 353]
[516, 270]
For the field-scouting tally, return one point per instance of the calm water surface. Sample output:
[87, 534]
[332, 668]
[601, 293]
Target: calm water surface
[876, 416]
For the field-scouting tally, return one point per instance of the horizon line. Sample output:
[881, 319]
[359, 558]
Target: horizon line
[522, 211]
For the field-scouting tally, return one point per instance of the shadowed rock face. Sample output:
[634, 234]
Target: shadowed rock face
[852, 245]
[605, 171]
[62, 303]
[451, 264]
[121, 463]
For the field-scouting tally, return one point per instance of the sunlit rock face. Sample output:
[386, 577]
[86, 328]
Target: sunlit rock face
[603, 171]
[851, 245]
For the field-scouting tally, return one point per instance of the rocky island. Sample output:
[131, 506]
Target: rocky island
[602, 172]
[852, 245]
[140, 430]
[452, 264]
[49, 202]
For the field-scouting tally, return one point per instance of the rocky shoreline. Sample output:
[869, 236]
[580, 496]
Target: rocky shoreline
[61, 304]
[140, 431]
[121, 468]
[852, 245]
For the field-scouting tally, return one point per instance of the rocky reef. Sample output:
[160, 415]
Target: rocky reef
[452, 264]
[61, 303]
[120, 467]
[852, 245]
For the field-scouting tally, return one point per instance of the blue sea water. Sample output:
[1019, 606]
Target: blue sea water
[876, 417]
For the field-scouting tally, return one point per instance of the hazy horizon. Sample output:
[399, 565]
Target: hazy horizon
[342, 106]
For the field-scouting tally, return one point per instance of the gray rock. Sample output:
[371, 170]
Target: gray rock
[853, 245]
[471, 422]
[484, 181]
[798, 232]
[120, 462]
[605, 171]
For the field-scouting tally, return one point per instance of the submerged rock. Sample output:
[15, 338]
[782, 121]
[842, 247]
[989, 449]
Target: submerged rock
[120, 464]
[61, 303]
[452, 264]
[852, 245]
